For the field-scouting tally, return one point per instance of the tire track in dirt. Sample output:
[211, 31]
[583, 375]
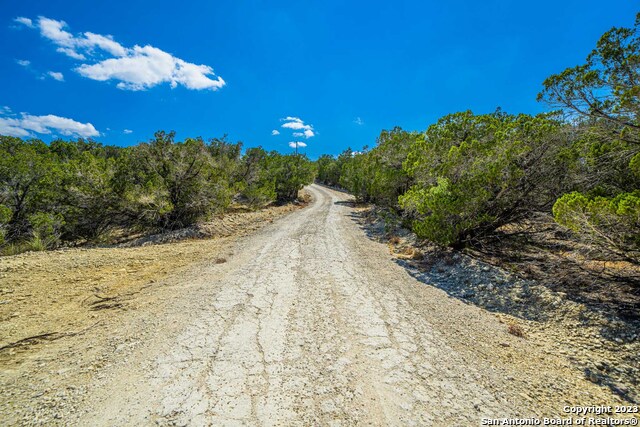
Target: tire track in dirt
[311, 323]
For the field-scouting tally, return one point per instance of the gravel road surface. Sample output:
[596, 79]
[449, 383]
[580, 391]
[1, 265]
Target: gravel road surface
[309, 322]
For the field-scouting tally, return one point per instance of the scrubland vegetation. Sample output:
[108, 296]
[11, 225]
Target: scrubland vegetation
[468, 175]
[456, 183]
[69, 192]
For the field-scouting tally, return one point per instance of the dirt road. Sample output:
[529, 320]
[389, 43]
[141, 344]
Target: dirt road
[311, 323]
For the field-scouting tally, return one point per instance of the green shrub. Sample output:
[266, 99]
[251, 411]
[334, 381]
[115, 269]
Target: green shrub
[256, 185]
[176, 184]
[443, 212]
[29, 179]
[474, 174]
[77, 191]
[357, 176]
[377, 175]
[612, 223]
[259, 195]
[290, 173]
[330, 169]
[88, 202]
[46, 230]
[634, 165]
[602, 96]
[5, 216]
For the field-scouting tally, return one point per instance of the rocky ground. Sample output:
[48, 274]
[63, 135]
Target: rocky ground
[303, 321]
[603, 346]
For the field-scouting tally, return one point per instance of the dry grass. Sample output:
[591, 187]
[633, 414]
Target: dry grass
[394, 240]
[412, 253]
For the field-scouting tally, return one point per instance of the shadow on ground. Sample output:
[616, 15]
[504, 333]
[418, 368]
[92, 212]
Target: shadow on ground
[525, 279]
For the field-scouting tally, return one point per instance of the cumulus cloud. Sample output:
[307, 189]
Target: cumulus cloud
[145, 67]
[23, 62]
[299, 129]
[358, 121]
[296, 125]
[56, 76]
[148, 66]
[275, 132]
[127, 131]
[54, 31]
[291, 119]
[135, 68]
[26, 124]
[308, 133]
[24, 21]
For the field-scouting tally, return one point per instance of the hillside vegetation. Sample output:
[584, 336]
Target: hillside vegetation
[468, 175]
[455, 184]
[70, 192]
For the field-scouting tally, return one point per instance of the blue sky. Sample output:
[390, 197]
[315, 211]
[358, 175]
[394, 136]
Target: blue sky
[344, 70]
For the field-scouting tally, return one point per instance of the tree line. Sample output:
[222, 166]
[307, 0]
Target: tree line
[83, 191]
[468, 175]
[456, 183]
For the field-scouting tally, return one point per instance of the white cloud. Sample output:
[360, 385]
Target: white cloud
[291, 119]
[307, 134]
[9, 128]
[275, 132]
[296, 125]
[53, 30]
[105, 43]
[26, 124]
[302, 130]
[40, 76]
[24, 21]
[136, 68]
[56, 76]
[127, 131]
[358, 121]
[147, 67]
[71, 53]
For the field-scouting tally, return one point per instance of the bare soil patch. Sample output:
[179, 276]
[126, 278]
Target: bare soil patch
[46, 296]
